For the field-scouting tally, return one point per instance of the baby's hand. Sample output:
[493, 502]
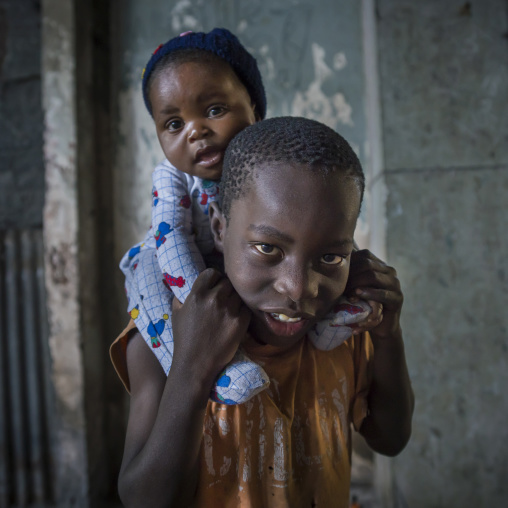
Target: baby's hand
[209, 326]
[373, 280]
[373, 319]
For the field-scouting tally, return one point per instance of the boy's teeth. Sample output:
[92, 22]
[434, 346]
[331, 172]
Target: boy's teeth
[286, 319]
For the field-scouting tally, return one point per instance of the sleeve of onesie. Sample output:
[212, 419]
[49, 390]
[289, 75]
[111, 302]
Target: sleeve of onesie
[179, 257]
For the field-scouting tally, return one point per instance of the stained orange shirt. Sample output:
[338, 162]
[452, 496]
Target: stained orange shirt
[290, 445]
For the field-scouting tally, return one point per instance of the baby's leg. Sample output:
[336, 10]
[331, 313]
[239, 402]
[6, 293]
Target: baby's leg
[338, 324]
[150, 301]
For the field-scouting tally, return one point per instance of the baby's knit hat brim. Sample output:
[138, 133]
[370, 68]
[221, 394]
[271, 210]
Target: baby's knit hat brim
[225, 45]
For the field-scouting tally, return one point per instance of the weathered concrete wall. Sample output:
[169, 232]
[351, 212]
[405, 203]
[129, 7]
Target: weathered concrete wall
[21, 161]
[61, 246]
[444, 76]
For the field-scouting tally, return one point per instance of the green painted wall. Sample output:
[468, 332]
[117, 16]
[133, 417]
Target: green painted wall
[444, 96]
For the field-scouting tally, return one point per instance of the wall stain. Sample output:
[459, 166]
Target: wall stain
[465, 10]
[58, 260]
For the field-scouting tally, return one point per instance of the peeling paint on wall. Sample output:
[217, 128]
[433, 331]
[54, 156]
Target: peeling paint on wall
[181, 19]
[313, 103]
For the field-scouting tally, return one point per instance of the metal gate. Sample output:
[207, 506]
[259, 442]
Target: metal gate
[25, 390]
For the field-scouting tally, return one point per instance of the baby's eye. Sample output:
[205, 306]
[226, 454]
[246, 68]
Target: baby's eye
[332, 259]
[216, 111]
[266, 248]
[174, 125]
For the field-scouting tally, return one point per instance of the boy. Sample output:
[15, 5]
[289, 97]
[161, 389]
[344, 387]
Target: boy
[284, 269]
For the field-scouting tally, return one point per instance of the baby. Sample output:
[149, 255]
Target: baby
[201, 90]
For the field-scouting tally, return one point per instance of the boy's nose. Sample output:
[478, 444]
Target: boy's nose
[297, 283]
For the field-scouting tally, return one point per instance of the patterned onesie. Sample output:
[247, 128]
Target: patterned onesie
[169, 260]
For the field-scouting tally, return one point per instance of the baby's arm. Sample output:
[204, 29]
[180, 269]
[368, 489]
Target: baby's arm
[177, 252]
[387, 427]
[160, 466]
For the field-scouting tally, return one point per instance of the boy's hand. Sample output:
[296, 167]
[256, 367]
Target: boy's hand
[373, 280]
[387, 427]
[209, 326]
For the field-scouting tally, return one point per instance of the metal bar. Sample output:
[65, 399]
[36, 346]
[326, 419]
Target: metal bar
[15, 374]
[32, 369]
[46, 387]
[4, 424]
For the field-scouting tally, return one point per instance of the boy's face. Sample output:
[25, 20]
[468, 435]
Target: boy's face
[198, 108]
[287, 248]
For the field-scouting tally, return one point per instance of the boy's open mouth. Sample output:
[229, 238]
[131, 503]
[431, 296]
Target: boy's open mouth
[283, 325]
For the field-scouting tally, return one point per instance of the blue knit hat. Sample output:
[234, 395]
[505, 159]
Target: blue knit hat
[225, 45]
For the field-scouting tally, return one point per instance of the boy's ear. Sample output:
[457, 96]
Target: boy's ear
[217, 225]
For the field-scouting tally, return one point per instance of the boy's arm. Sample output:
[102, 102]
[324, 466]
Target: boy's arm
[178, 255]
[160, 467]
[387, 427]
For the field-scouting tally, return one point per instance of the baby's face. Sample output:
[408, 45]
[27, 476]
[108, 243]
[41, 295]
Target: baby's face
[287, 248]
[198, 108]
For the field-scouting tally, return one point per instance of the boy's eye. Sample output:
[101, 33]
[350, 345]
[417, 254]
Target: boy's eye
[266, 248]
[216, 111]
[174, 125]
[332, 259]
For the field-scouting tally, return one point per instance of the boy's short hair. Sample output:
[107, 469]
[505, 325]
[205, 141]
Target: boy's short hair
[219, 42]
[285, 140]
